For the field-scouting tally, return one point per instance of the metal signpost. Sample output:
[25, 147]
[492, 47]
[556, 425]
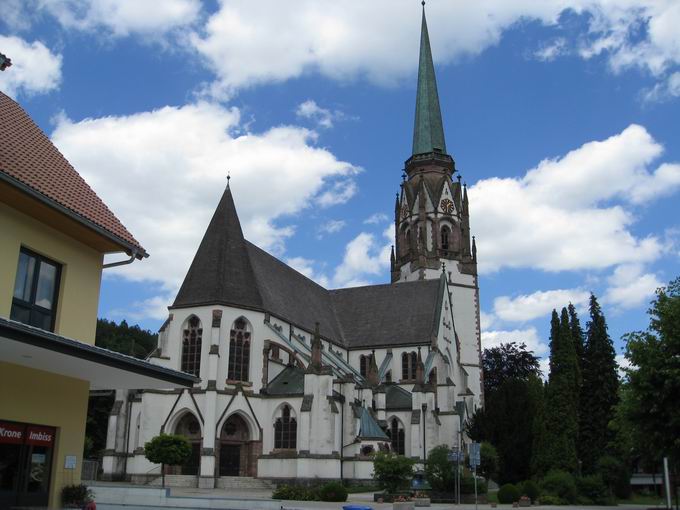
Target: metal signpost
[475, 460]
[454, 456]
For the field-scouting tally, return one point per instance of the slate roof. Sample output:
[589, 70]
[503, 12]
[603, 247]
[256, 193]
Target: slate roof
[221, 272]
[29, 159]
[231, 271]
[291, 381]
[389, 314]
[369, 428]
[397, 397]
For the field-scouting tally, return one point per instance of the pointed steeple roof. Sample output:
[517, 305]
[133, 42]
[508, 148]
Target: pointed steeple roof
[428, 130]
[221, 272]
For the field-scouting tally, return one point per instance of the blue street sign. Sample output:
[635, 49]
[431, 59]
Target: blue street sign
[453, 456]
[475, 454]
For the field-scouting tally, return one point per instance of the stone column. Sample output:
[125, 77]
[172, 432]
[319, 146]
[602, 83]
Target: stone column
[207, 476]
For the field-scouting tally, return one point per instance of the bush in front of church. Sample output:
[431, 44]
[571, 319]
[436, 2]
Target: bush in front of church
[393, 472]
[333, 491]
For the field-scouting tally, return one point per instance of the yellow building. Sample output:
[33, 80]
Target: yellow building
[54, 233]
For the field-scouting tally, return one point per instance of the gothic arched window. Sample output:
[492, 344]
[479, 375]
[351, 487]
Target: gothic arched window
[433, 376]
[363, 365]
[191, 347]
[396, 433]
[239, 351]
[285, 430]
[408, 365]
[446, 233]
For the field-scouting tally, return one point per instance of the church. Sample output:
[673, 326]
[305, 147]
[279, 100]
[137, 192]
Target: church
[299, 382]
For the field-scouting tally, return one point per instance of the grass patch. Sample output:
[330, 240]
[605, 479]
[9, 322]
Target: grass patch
[644, 499]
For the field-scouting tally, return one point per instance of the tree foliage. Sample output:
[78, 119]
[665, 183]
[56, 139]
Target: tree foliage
[600, 390]
[511, 375]
[130, 340]
[561, 410]
[654, 376]
[393, 472]
[440, 472]
[168, 449]
[508, 361]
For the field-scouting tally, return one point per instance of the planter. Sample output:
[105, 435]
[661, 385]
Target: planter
[524, 501]
[402, 505]
[421, 501]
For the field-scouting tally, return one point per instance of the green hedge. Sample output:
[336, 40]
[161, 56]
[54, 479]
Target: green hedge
[508, 493]
[331, 491]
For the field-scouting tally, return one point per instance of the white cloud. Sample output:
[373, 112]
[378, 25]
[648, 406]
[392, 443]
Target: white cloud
[306, 267]
[574, 212]
[376, 218]
[341, 191]
[121, 17]
[330, 227]
[550, 51]
[538, 304]
[163, 172]
[629, 286]
[527, 336]
[364, 258]
[486, 320]
[35, 69]
[664, 90]
[247, 43]
[322, 116]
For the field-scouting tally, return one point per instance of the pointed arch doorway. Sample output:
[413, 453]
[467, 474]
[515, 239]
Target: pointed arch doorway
[238, 452]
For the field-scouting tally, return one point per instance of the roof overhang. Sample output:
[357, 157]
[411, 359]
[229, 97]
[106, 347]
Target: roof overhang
[133, 250]
[41, 350]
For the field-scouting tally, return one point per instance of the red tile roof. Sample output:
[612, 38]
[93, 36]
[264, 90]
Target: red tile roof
[28, 156]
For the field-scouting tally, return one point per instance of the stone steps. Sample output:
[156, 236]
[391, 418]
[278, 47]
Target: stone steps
[243, 482]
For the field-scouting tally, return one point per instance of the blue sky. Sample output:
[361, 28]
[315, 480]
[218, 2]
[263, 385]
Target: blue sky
[562, 117]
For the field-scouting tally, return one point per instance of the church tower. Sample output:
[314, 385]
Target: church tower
[432, 220]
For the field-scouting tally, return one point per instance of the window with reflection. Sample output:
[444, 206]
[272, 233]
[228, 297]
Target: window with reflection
[239, 351]
[36, 287]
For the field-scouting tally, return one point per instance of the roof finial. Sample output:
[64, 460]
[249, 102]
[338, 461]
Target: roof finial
[423, 2]
[228, 177]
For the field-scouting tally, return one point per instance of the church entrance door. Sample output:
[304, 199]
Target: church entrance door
[230, 459]
[235, 448]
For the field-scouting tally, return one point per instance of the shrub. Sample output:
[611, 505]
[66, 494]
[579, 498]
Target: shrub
[467, 484]
[548, 499]
[615, 476]
[333, 491]
[508, 493]
[489, 458]
[392, 471]
[76, 495]
[530, 489]
[560, 484]
[440, 472]
[592, 489]
[296, 492]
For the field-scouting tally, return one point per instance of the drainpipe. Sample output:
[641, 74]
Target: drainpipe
[132, 258]
[342, 433]
[424, 408]
[127, 433]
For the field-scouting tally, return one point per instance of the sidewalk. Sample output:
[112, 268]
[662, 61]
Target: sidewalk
[120, 496]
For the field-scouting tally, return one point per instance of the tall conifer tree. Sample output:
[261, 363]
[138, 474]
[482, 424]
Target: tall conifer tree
[561, 412]
[600, 389]
[577, 337]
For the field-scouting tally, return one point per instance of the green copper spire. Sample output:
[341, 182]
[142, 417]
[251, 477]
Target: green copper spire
[428, 130]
